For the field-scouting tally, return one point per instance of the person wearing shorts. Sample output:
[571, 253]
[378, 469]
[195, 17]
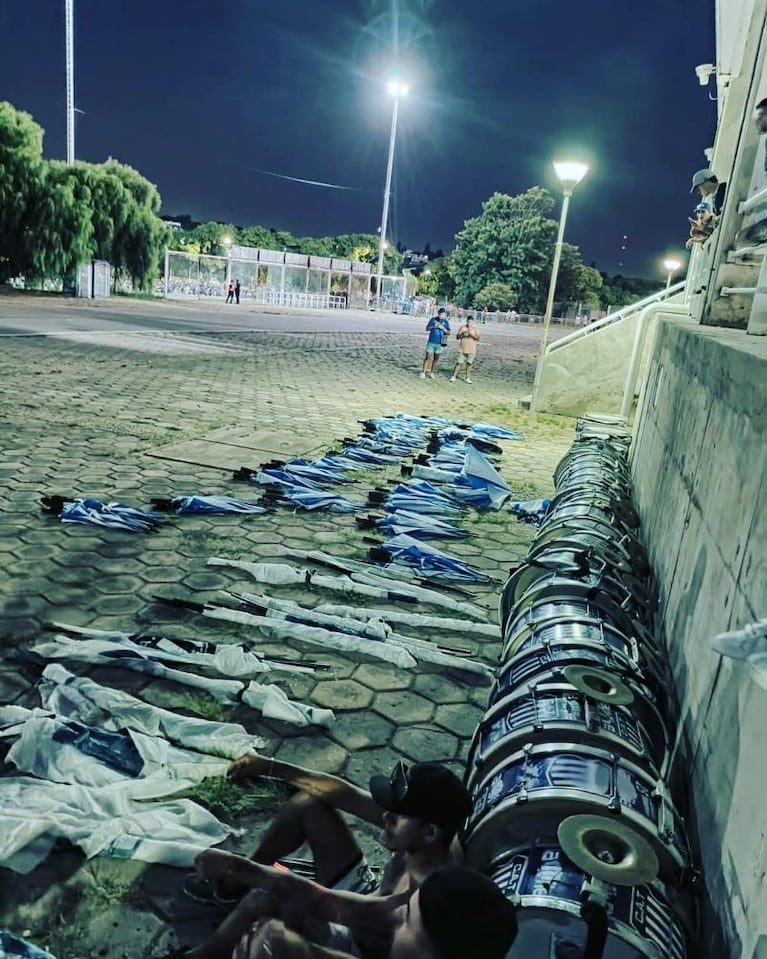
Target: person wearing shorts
[438, 329]
[468, 337]
[420, 809]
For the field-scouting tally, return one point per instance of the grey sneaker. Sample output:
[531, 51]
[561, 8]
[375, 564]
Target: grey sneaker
[422, 376]
[748, 645]
[452, 379]
[430, 375]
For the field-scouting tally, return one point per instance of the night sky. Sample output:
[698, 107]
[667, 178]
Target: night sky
[201, 96]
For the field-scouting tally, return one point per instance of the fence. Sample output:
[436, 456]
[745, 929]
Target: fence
[277, 278]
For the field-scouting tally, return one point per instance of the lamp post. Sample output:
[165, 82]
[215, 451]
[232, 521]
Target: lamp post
[70, 66]
[570, 175]
[671, 265]
[396, 89]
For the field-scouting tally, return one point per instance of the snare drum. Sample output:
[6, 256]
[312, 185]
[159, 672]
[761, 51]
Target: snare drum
[626, 824]
[547, 710]
[547, 887]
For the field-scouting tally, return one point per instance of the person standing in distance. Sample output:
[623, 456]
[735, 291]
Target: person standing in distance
[438, 329]
[468, 337]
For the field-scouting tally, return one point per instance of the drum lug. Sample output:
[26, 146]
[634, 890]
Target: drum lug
[615, 804]
[595, 890]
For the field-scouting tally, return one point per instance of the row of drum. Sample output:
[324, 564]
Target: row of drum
[567, 770]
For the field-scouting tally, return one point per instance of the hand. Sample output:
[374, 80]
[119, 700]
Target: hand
[247, 766]
[270, 939]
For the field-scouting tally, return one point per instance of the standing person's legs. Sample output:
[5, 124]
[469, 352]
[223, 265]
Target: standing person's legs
[469, 360]
[436, 350]
[429, 359]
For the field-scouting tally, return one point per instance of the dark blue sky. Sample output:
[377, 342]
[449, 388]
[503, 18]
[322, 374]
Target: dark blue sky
[198, 95]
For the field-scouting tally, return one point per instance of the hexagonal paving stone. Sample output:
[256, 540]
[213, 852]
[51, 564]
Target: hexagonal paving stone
[403, 707]
[314, 752]
[459, 718]
[361, 731]
[439, 689]
[425, 744]
[342, 694]
[379, 676]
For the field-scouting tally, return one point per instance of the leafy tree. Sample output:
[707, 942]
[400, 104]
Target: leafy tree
[496, 296]
[61, 215]
[21, 164]
[510, 242]
[577, 282]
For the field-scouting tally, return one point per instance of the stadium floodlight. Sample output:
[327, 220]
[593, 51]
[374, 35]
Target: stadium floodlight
[397, 89]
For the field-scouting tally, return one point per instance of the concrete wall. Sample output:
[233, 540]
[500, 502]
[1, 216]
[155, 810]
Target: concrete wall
[700, 474]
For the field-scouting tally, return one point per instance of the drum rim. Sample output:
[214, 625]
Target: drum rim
[510, 649]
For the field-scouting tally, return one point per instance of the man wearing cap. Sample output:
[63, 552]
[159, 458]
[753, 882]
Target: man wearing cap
[456, 914]
[711, 193]
[420, 809]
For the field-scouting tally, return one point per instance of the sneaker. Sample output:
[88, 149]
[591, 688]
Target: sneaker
[430, 375]
[452, 379]
[748, 645]
[209, 893]
[422, 376]
[468, 380]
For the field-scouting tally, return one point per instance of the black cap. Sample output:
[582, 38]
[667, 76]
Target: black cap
[464, 913]
[429, 791]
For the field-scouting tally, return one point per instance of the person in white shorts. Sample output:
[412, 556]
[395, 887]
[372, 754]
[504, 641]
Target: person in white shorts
[468, 337]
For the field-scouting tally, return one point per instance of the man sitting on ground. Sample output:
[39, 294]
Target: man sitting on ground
[456, 913]
[420, 808]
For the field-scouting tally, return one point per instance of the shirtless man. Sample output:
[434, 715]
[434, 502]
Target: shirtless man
[420, 809]
[455, 914]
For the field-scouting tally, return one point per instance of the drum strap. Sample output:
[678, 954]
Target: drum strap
[595, 917]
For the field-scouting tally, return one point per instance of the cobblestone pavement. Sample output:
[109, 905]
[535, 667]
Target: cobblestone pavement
[139, 414]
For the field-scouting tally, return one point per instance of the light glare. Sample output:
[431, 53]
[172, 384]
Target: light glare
[570, 174]
[671, 265]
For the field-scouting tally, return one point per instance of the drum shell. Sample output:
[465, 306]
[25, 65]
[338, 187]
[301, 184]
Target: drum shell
[540, 786]
[546, 887]
[540, 712]
[573, 631]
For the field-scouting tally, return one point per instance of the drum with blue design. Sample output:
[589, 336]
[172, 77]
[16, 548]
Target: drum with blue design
[549, 890]
[546, 710]
[627, 811]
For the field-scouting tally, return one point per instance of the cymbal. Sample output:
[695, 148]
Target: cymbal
[608, 849]
[599, 684]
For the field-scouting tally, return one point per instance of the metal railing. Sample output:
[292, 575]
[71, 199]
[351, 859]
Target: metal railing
[312, 301]
[622, 314]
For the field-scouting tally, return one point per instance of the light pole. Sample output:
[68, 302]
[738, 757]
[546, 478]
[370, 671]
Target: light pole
[397, 89]
[671, 265]
[570, 175]
[70, 66]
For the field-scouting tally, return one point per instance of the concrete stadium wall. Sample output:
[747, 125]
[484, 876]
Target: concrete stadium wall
[699, 461]
[589, 373]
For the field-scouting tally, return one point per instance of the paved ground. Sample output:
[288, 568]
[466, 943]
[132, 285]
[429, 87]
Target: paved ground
[138, 400]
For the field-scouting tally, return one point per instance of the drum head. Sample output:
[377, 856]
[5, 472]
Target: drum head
[608, 849]
[598, 684]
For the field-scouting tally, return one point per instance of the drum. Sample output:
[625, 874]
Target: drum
[612, 817]
[553, 564]
[548, 888]
[518, 637]
[553, 527]
[546, 710]
[600, 672]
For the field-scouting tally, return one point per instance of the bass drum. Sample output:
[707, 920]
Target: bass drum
[611, 816]
[547, 887]
[574, 631]
[549, 710]
[598, 671]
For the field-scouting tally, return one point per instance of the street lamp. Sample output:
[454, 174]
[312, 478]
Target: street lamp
[671, 265]
[570, 175]
[396, 90]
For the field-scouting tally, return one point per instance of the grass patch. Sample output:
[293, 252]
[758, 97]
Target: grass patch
[206, 707]
[228, 800]
[107, 890]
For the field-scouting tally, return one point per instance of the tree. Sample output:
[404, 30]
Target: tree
[496, 296]
[577, 282]
[510, 242]
[62, 217]
[21, 165]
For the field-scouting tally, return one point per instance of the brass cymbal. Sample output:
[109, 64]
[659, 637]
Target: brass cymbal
[608, 849]
[599, 684]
